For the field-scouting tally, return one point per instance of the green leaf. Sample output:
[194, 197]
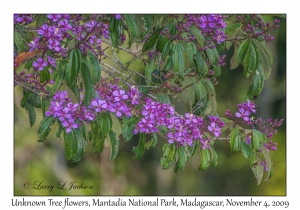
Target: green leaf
[116, 125]
[132, 27]
[163, 98]
[18, 40]
[158, 77]
[45, 105]
[114, 145]
[178, 61]
[154, 139]
[60, 128]
[148, 71]
[105, 122]
[88, 86]
[265, 58]
[268, 162]
[193, 148]
[231, 31]
[79, 144]
[257, 84]
[34, 100]
[114, 26]
[169, 63]
[44, 75]
[168, 155]
[41, 19]
[151, 41]
[98, 136]
[31, 114]
[70, 146]
[242, 50]
[71, 71]
[58, 79]
[163, 40]
[201, 66]
[250, 61]
[191, 51]
[94, 67]
[235, 139]
[44, 127]
[201, 91]
[182, 159]
[79, 57]
[245, 149]
[214, 156]
[140, 149]
[258, 138]
[212, 55]
[25, 98]
[199, 37]
[234, 60]
[258, 172]
[205, 159]
[128, 126]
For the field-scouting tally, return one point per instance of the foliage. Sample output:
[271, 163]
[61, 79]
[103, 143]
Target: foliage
[94, 102]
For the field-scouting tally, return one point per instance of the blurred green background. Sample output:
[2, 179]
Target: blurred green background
[46, 163]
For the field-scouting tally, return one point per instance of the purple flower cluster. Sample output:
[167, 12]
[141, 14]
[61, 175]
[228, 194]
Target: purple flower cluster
[22, 19]
[181, 129]
[114, 100]
[40, 63]
[58, 27]
[245, 109]
[210, 26]
[257, 27]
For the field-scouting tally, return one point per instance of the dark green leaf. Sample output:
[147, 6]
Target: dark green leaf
[245, 149]
[41, 19]
[193, 148]
[34, 100]
[87, 84]
[98, 136]
[70, 146]
[45, 127]
[178, 61]
[168, 155]
[191, 51]
[257, 84]
[44, 75]
[151, 41]
[242, 50]
[182, 159]
[58, 79]
[31, 114]
[25, 98]
[199, 37]
[214, 156]
[114, 145]
[18, 40]
[148, 71]
[235, 139]
[79, 143]
[95, 67]
[234, 61]
[140, 149]
[201, 66]
[231, 32]
[132, 27]
[212, 55]
[71, 71]
[59, 129]
[163, 98]
[205, 159]
[266, 59]
[168, 64]
[105, 122]
[250, 61]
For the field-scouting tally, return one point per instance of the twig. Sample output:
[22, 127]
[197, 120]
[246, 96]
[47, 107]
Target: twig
[31, 90]
[122, 48]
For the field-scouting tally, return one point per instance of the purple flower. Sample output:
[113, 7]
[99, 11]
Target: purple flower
[54, 18]
[69, 124]
[120, 95]
[52, 62]
[39, 64]
[244, 114]
[118, 16]
[214, 129]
